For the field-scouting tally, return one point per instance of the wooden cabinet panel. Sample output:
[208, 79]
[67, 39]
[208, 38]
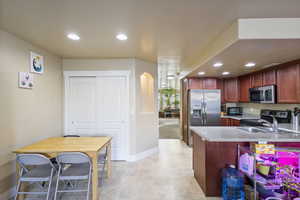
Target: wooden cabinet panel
[269, 77]
[184, 110]
[199, 158]
[203, 83]
[195, 83]
[209, 158]
[225, 121]
[245, 85]
[288, 84]
[231, 90]
[210, 83]
[220, 85]
[234, 122]
[256, 80]
[230, 122]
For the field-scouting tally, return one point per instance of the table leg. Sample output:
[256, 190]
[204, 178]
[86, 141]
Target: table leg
[108, 160]
[94, 157]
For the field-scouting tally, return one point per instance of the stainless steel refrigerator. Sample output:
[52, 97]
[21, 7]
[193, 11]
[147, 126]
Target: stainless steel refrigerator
[204, 108]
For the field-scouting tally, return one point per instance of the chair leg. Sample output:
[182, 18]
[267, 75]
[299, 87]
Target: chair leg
[17, 189]
[89, 183]
[57, 182]
[19, 184]
[104, 165]
[103, 172]
[49, 187]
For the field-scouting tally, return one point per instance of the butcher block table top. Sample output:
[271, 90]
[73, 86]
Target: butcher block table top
[66, 144]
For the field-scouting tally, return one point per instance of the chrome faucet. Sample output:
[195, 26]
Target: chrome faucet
[296, 118]
[274, 125]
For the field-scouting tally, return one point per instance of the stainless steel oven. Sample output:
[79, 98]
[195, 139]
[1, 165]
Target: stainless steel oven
[266, 94]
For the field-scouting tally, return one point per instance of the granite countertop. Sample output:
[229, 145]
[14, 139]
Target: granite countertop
[234, 134]
[240, 117]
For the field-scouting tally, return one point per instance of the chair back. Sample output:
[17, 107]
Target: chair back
[32, 159]
[73, 158]
[71, 135]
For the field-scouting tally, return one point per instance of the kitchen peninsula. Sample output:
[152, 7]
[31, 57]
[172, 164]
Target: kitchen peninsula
[215, 147]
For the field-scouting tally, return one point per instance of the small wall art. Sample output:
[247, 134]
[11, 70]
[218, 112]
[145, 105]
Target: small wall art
[25, 80]
[36, 63]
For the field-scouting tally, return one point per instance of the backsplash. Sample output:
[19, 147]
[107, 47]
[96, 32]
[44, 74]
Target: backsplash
[254, 108]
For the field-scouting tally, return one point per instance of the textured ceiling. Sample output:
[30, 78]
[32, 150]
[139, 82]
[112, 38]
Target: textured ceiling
[264, 53]
[156, 28]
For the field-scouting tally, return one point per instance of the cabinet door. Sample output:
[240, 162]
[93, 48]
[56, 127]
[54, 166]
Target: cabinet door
[210, 83]
[231, 90]
[220, 86]
[256, 80]
[225, 122]
[245, 84]
[269, 77]
[235, 122]
[288, 84]
[195, 83]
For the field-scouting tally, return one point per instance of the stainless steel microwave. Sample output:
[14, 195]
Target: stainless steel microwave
[266, 94]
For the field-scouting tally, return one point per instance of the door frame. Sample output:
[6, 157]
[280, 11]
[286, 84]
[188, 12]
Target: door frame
[122, 73]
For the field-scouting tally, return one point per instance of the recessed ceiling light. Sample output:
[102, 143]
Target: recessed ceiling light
[225, 73]
[171, 77]
[201, 73]
[250, 64]
[122, 36]
[73, 36]
[218, 64]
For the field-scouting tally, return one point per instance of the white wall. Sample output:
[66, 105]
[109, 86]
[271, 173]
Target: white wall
[143, 127]
[146, 122]
[27, 115]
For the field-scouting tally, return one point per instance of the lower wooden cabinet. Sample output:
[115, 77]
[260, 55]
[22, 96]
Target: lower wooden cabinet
[208, 160]
[230, 122]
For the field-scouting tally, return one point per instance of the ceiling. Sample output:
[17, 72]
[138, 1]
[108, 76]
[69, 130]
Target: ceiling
[263, 52]
[156, 28]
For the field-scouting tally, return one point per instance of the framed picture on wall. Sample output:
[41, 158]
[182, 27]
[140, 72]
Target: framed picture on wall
[36, 63]
[25, 80]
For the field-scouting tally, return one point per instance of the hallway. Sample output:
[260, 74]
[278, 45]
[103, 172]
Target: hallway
[169, 128]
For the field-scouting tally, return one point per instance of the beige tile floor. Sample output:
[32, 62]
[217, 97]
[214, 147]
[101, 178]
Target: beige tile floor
[169, 128]
[167, 175]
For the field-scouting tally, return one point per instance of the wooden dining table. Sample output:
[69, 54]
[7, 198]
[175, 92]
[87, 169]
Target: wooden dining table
[88, 145]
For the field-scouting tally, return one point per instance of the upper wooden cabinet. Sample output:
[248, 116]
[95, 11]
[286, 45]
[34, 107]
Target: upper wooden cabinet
[231, 90]
[288, 84]
[210, 83]
[269, 77]
[245, 85]
[256, 79]
[203, 83]
[195, 83]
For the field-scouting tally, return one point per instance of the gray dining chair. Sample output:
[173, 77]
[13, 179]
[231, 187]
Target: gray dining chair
[101, 160]
[73, 166]
[34, 168]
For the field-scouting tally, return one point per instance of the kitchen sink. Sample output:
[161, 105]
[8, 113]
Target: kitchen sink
[264, 130]
[253, 130]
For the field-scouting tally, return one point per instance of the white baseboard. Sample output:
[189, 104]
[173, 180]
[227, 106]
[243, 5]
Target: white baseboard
[142, 155]
[8, 194]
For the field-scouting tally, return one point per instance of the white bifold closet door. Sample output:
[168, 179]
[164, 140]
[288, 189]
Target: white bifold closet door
[98, 106]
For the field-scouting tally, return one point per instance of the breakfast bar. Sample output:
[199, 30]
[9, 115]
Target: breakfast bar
[216, 147]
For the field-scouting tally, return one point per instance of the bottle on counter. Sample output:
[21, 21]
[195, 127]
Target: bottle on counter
[232, 184]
